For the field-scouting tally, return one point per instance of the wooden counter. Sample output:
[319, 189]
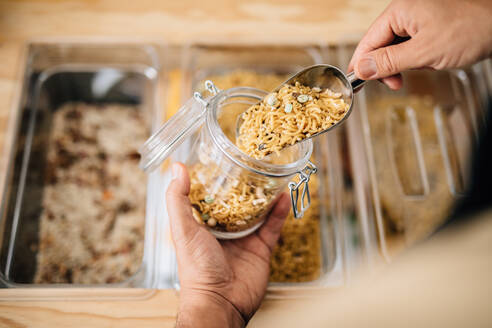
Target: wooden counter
[176, 22]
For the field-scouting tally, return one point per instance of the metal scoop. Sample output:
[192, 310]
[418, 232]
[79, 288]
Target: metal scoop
[323, 76]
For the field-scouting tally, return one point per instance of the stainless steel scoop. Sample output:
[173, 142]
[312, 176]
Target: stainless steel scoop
[323, 76]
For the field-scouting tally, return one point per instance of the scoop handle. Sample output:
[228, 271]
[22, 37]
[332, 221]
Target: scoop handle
[355, 82]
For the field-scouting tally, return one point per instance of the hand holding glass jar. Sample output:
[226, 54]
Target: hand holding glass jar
[221, 281]
[231, 192]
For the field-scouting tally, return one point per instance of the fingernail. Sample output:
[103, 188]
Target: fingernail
[367, 68]
[176, 171]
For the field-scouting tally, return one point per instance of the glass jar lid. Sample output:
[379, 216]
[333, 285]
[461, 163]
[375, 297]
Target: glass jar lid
[171, 134]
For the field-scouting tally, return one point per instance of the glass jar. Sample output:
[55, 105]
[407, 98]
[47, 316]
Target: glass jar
[231, 193]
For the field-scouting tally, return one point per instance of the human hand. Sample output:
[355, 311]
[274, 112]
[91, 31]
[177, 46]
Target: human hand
[441, 34]
[222, 282]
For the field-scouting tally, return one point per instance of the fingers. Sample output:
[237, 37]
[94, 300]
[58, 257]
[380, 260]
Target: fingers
[388, 61]
[376, 57]
[394, 82]
[183, 226]
[270, 231]
[378, 35]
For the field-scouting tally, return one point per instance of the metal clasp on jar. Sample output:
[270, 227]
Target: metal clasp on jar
[210, 87]
[304, 176]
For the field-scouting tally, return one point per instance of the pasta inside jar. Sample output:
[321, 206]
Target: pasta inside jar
[231, 192]
[229, 204]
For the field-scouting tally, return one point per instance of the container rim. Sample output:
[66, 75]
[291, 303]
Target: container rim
[150, 72]
[234, 153]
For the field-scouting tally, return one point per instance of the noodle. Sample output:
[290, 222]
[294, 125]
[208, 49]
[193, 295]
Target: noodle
[236, 205]
[288, 116]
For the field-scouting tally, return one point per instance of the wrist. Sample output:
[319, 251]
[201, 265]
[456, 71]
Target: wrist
[199, 308]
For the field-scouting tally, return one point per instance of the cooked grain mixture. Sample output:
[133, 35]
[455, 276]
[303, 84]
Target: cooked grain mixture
[92, 223]
[292, 114]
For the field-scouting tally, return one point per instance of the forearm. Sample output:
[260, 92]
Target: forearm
[205, 309]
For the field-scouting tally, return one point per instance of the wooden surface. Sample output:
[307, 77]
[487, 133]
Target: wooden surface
[176, 22]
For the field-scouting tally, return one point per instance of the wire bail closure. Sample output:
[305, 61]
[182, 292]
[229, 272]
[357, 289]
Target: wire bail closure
[305, 175]
[210, 87]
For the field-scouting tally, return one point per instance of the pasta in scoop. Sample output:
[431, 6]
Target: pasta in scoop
[292, 114]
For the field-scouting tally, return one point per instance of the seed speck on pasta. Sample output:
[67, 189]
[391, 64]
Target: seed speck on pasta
[299, 113]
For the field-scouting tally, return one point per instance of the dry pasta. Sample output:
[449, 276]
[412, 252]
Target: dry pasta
[283, 118]
[234, 206]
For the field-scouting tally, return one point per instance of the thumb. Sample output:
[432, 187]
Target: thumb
[183, 226]
[388, 61]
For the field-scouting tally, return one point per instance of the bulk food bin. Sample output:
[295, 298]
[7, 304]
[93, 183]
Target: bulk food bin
[414, 148]
[109, 87]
